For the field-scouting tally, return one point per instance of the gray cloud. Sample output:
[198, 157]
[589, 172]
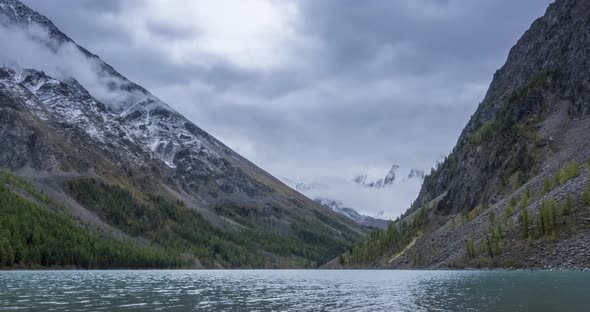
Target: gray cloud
[370, 83]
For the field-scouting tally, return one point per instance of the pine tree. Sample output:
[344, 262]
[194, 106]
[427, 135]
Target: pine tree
[497, 240]
[471, 248]
[524, 200]
[523, 218]
[547, 185]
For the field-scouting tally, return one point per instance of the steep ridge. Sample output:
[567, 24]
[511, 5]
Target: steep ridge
[71, 136]
[513, 192]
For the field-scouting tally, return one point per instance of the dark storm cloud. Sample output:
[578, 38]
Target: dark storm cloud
[372, 82]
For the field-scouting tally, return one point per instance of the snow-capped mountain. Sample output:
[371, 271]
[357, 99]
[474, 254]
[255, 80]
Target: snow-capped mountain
[375, 197]
[379, 183]
[352, 214]
[389, 179]
[114, 103]
[311, 189]
[65, 113]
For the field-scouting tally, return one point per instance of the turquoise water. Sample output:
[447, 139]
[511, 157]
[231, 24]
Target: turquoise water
[293, 290]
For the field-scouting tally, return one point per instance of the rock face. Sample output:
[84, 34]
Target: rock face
[53, 128]
[546, 71]
[133, 115]
[533, 120]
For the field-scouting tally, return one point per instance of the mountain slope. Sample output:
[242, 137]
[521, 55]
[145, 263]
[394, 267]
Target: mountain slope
[79, 138]
[513, 192]
[37, 233]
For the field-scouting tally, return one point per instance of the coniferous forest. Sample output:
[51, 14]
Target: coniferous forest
[31, 235]
[35, 232]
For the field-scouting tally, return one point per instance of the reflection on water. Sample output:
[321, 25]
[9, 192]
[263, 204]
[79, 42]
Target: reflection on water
[294, 290]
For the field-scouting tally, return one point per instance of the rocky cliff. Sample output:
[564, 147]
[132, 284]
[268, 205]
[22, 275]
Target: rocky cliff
[513, 191]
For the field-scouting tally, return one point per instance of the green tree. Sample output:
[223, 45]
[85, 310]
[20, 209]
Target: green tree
[548, 217]
[586, 197]
[508, 212]
[485, 248]
[492, 218]
[548, 185]
[524, 200]
[497, 240]
[568, 171]
[471, 248]
[523, 219]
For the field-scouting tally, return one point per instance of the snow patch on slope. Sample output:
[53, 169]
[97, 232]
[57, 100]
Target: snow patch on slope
[78, 83]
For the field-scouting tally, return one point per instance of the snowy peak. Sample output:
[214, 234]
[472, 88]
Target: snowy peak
[64, 59]
[335, 205]
[79, 88]
[389, 179]
[352, 214]
[70, 106]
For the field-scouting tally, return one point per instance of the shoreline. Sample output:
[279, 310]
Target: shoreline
[318, 269]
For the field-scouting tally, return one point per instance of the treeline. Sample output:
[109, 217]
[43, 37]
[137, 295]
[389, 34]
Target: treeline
[547, 221]
[36, 232]
[568, 171]
[491, 243]
[34, 236]
[165, 222]
[169, 223]
[391, 241]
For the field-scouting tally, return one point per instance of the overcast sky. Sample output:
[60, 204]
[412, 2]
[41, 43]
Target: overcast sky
[314, 90]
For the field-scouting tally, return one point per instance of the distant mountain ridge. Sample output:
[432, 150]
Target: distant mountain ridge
[335, 205]
[352, 214]
[389, 179]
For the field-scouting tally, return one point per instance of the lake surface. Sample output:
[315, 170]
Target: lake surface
[294, 290]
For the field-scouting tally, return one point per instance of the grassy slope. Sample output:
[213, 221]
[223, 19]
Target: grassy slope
[36, 233]
[254, 243]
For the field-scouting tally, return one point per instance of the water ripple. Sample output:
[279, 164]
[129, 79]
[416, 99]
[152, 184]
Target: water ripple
[293, 290]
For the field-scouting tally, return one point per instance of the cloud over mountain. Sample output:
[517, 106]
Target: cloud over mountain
[319, 90]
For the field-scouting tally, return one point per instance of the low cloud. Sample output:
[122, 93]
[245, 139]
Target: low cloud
[30, 46]
[316, 91]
